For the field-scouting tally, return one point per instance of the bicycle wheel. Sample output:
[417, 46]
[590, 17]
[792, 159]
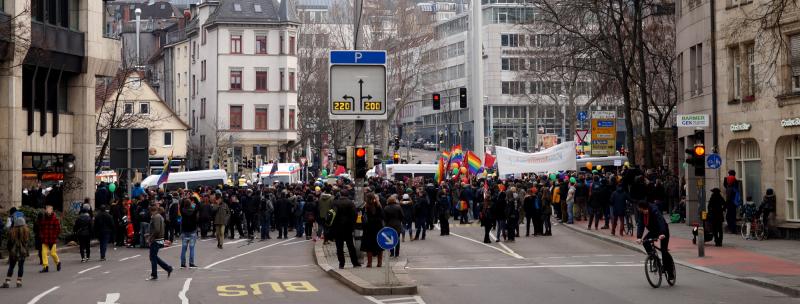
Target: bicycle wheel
[760, 230]
[743, 229]
[674, 275]
[652, 269]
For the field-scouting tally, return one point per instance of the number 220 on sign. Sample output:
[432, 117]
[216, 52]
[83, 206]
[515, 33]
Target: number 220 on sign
[342, 106]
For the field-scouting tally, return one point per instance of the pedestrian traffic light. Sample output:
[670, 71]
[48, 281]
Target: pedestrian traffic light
[396, 158]
[396, 143]
[437, 101]
[360, 170]
[462, 97]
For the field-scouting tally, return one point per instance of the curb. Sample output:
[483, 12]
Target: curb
[757, 281]
[361, 286]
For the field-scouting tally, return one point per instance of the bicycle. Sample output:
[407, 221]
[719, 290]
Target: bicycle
[653, 269]
[629, 220]
[757, 229]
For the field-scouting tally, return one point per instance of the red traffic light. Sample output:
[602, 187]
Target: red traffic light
[436, 97]
[360, 152]
[699, 150]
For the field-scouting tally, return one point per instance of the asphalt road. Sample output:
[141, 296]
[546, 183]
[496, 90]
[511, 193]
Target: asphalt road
[564, 268]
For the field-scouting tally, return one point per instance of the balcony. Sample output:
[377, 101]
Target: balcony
[57, 39]
[5, 40]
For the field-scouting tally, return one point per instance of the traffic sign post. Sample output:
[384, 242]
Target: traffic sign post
[357, 85]
[714, 161]
[388, 238]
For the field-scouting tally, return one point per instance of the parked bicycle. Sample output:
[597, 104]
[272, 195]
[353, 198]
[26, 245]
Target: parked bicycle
[756, 231]
[654, 269]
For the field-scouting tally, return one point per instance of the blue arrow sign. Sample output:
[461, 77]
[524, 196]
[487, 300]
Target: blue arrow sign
[387, 238]
[582, 116]
[714, 161]
[358, 57]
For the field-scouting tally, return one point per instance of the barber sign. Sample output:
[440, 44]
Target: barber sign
[693, 120]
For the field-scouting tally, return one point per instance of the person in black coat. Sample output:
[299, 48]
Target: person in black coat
[499, 213]
[250, 209]
[372, 223]
[443, 210]
[342, 229]
[83, 230]
[393, 217]
[104, 229]
[596, 203]
[283, 213]
[204, 217]
[716, 215]
[529, 206]
[421, 210]
[619, 202]
[650, 218]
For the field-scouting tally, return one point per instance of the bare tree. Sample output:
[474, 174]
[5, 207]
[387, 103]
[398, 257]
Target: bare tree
[17, 31]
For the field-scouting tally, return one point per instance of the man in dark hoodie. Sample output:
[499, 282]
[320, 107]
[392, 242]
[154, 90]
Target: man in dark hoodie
[104, 228]
[283, 214]
[189, 219]
[250, 208]
[342, 228]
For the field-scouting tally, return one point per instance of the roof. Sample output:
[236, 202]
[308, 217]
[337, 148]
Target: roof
[253, 11]
[156, 10]
[103, 92]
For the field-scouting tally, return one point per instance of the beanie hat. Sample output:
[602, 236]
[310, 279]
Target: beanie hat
[20, 221]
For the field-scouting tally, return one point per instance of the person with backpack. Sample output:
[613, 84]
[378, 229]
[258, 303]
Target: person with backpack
[189, 219]
[265, 213]
[310, 216]
[324, 205]
[172, 224]
[143, 218]
[17, 245]
[235, 221]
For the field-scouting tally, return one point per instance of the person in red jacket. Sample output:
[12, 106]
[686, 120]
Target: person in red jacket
[49, 229]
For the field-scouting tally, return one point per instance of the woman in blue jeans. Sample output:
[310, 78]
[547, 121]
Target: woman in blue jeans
[189, 218]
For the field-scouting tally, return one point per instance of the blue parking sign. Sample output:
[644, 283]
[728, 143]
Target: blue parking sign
[387, 238]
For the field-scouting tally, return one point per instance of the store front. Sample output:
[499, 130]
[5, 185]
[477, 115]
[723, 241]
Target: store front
[43, 181]
[788, 153]
[747, 158]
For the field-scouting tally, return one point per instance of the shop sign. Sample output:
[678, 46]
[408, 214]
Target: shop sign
[693, 120]
[791, 122]
[740, 127]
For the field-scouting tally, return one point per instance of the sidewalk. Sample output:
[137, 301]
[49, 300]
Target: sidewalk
[366, 281]
[773, 264]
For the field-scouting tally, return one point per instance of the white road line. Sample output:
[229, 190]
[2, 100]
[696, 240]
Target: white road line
[556, 257]
[234, 242]
[403, 300]
[130, 257]
[87, 269]
[623, 262]
[296, 242]
[580, 256]
[522, 267]
[290, 266]
[244, 253]
[41, 295]
[599, 262]
[182, 294]
[509, 252]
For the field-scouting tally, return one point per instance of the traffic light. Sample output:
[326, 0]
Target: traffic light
[396, 143]
[462, 97]
[360, 170]
[396, 158]
[696, 156]
[437, 101]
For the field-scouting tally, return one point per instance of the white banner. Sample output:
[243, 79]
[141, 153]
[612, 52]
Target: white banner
[556, 158]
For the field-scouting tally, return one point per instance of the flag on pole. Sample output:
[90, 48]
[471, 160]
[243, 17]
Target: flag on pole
[446, 154]
[274, 169]
[456, 155]
[439, 176]
[490, 159]
[473, 163]
[339, 170]
[164, 177]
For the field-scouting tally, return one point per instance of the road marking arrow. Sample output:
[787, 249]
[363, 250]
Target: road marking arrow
[111, 298]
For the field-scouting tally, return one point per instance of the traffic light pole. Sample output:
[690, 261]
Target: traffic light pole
[359, 125]
[701, 199]
[476, 67]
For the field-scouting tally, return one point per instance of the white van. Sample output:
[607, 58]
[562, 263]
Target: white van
[400, 171]
[287, 173]
[188, 180]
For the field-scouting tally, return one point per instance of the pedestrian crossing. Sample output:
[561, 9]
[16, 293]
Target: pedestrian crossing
[401, 300]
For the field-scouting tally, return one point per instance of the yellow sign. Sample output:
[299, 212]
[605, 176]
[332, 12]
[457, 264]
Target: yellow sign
[604, 133]
[373, 106]
[256, 288]
[342, 106]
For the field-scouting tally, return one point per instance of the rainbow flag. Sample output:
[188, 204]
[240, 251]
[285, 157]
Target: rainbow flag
[439, 176]
[164, 177]
[456, 156]
[473, 163]
[446, 154]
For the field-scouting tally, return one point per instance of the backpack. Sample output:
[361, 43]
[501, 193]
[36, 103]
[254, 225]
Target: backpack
[329, 217]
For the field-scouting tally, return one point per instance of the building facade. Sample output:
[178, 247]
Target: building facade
[242, 81]
[49, 107]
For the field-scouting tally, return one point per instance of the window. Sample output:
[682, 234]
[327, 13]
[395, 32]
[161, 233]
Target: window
[291, 119]
[236, 118]
[203, 35]
[679, 78]
[512, 64]
[194, 86]
[185, 83]
[178, 80]
[795, 62]
[261, 118]
[167, 138]
[281, 120]
[261, 44]
[792, 168]
[512, 87]
[281, 46]
[257, 8]
[203, 70]
[128, 108]
[736, 71]
[237, 7]
[511, 40]
[144, 108]
[261, 80]
[202, 108]
[696, 69]
[281, 78]
[236, 80]
[292, 45]
[291, 82]
[236, 44]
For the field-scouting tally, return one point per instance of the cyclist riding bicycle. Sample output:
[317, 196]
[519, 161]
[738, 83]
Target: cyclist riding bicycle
[649, 217]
